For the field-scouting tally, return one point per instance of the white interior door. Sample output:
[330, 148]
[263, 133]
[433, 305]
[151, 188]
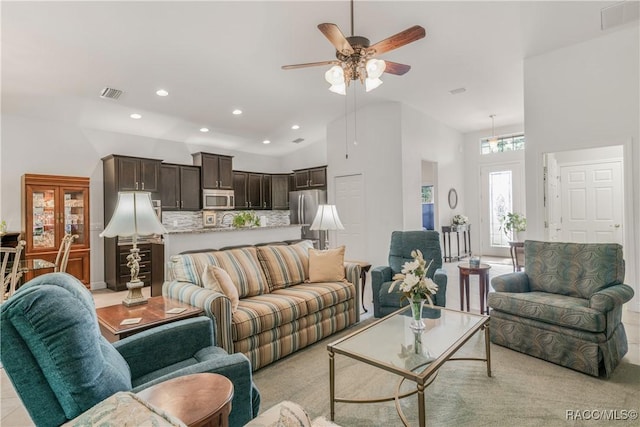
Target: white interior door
[351, 209]
[592, 204]
[500, 192]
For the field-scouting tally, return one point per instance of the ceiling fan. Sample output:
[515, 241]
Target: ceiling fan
[356, 57]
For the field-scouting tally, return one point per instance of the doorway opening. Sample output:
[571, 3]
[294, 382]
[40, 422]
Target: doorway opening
[429, 205]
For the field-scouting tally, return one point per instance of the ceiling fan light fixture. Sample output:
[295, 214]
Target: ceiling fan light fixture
[370, 84]
[340, 89]
[375, 68]
[334, 75]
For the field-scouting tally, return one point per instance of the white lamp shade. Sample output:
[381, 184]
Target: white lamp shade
[133, 216]
[334, 75]
[327, 219]
[371, 84]
[340, 89]
[375, 68]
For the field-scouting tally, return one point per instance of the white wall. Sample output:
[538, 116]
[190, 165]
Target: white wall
[584, 96]
[45, 147]
[392, 140]
[309, 155]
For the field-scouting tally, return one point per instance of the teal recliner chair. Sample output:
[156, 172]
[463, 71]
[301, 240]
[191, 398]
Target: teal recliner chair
[60, 364]
[566, 307]
[402, 243]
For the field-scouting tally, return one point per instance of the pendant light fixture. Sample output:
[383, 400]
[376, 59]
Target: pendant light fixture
[493, 141]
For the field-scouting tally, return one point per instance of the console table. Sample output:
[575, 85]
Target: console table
[466, 240]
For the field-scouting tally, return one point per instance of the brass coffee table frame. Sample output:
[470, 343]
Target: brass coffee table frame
[422, 378]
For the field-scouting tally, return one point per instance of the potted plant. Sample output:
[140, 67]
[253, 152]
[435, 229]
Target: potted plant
[246, 219]
[512, 223]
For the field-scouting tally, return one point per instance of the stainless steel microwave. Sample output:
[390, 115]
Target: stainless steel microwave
[217, 199]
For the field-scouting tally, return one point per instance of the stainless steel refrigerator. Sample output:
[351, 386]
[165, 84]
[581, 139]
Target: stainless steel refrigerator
[304, 205]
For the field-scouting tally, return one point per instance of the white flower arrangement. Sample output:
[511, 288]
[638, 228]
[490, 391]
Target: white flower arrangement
[413, 281]
[460, 220]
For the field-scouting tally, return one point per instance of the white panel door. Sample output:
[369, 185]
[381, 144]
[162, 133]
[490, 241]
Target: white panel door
[592, 204]
[351, 209]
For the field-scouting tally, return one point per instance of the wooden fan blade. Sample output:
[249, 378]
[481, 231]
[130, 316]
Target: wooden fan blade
[396, 68]
[337, 39]
[309, 64]
[405, 37]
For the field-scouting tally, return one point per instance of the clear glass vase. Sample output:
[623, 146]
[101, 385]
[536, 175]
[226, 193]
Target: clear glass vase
[417, 324]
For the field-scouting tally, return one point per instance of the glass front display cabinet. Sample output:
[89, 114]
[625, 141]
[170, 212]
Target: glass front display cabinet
[52, 207]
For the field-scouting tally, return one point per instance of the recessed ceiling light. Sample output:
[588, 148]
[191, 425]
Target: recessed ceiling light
[295, 127]
[136, 116]
[237, 112]
[162, 92]
[266, 141]
[204, 129]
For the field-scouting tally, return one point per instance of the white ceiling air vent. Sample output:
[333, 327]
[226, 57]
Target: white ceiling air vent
[298, 140]
[110, 93]
[619, 14]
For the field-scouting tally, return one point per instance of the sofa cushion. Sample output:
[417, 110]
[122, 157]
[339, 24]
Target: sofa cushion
[554, 309]
[574, 269]
[317, 296]
[218, 280]
[326, 265]
[264, 312]
[244, 269]
[241, 264]
[285, 265]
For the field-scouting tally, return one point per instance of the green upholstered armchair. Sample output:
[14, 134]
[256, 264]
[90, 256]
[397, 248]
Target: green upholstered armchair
[566, 307]
[402, 243]
[60, 364]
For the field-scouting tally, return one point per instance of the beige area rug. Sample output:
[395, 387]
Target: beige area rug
[523, 391]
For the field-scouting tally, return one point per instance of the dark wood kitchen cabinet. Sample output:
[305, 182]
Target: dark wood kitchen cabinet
[180, 187]
[151, 273]
[216, 170]
[311, 178]
[124, 173]
[240, 181]
[280, 191]
[266, 185]
[254, 190]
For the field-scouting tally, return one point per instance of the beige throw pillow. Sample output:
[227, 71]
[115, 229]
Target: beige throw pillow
[327, 265]
[216, 279]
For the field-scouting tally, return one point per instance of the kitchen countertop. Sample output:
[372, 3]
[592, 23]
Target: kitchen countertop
[227, 229]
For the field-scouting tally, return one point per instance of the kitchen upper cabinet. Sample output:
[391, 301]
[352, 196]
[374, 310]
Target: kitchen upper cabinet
[311, 178]
[240, 180]
[254, 191]
[280, 191]
[135, 174]
[124, 173]
[266, 181]
[180, 187]
[216, 170]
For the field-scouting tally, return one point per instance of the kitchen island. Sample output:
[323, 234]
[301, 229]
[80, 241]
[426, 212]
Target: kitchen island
[177, 241]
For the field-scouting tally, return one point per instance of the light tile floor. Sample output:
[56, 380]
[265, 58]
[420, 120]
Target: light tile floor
[13, 413]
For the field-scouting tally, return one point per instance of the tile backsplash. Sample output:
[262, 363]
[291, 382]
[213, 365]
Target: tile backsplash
[189, 220]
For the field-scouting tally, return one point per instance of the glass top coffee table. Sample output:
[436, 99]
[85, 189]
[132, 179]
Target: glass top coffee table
[390, 344]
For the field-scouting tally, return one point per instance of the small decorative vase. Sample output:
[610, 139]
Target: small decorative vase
[417, 304]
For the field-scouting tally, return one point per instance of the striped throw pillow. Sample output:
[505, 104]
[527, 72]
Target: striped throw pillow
[244, 269]
[285, 265]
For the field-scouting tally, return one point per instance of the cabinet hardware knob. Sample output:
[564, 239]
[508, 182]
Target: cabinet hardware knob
[143, 185]
[136, 185]
[182, 203]
[177, 204]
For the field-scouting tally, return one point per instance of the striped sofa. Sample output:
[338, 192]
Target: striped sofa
[279, 312]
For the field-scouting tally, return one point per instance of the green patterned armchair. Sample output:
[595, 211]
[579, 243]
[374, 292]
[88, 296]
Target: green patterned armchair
[566, 307]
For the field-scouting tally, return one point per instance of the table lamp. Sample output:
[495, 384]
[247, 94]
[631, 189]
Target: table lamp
[326, 219]
[134, 216]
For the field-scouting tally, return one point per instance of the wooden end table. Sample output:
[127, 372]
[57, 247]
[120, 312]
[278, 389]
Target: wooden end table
[198, 400]
[483, 272]
[152, 314]
[364, 268]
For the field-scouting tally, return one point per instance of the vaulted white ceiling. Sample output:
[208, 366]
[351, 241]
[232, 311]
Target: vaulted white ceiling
[215, 56]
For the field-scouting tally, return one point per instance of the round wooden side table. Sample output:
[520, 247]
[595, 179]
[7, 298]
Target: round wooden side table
[483, 272]
[198, 400]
